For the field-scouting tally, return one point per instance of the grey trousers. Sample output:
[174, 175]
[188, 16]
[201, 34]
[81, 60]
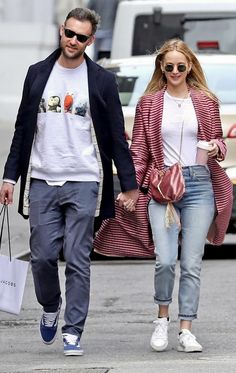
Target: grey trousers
[63, 217]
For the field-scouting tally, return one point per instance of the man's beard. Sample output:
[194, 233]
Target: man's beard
[72, 56]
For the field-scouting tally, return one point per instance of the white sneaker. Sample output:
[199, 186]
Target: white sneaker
[188, 342]
[159, 339]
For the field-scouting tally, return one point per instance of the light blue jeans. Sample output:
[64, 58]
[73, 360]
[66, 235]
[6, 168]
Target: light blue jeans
[196, 210]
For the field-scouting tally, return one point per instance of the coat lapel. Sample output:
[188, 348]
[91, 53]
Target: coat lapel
[39, 83]
[92, 81]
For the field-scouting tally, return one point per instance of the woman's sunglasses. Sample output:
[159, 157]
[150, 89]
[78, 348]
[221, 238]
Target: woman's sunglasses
[170, 67]
[70, 34]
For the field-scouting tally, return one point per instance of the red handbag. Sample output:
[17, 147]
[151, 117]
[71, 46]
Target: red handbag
[167, 185]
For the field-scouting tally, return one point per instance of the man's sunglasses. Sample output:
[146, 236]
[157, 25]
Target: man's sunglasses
[70, 34]
[170, 67]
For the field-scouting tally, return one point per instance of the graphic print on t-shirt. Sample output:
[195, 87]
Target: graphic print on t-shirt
[42, 106]
[68, 102]
[81, 107]
[54, 104]
[73, 103]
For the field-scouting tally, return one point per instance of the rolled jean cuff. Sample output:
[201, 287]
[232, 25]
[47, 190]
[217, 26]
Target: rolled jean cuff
[162, 302]
[187, 317]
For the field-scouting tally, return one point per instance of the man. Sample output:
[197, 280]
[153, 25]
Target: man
[64, 158]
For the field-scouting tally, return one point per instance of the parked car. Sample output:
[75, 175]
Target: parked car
[142, 26]
[134, 73]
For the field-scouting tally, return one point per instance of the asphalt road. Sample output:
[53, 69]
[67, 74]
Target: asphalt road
[119, 326]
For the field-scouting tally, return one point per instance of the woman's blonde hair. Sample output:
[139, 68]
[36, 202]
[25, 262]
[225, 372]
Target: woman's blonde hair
[195, 77]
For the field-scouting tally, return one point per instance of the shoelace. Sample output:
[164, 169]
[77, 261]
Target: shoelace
[160, 328]
[49, 318]
[70, 339]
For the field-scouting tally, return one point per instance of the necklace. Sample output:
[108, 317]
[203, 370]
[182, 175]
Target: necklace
[179, 101]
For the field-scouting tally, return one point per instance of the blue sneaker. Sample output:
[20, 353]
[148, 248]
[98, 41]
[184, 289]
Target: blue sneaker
[48, 325]
[72, 345]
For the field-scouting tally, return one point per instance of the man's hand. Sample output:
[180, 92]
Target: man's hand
[6, 193]
[128, 199]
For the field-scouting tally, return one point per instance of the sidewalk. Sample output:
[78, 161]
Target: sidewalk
[119, 326]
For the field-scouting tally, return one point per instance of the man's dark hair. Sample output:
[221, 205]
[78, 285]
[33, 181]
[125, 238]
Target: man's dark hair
[84, 14]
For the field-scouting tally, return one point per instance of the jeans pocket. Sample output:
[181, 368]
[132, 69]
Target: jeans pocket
[202, 174]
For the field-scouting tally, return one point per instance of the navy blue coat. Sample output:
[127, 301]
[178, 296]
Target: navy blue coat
[108, 123]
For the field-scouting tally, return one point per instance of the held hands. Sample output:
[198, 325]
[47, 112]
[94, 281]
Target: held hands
[128, 200]
[6, 193]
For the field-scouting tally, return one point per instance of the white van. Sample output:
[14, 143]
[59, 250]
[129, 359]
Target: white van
[141, 26]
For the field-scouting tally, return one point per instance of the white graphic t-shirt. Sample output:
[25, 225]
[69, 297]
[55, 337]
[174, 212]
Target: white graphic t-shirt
[63, 148]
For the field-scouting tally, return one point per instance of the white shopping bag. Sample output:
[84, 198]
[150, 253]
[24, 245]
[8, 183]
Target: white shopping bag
[13, 275]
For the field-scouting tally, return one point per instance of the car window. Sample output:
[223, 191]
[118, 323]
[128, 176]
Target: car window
[202, 32]
[221, 80]
[133, 79]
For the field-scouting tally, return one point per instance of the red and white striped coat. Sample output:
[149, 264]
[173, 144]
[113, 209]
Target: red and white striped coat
[129, 234]
[147, 150]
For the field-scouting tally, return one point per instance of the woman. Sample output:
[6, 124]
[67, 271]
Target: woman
[178, 104]
[178, 97]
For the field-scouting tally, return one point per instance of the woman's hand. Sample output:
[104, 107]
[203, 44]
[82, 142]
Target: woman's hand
[214, 152]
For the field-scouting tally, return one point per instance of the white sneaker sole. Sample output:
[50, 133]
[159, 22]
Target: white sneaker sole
[73, 353]
[159, 348]
[189, 349]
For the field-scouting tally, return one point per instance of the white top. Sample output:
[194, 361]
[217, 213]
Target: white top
[63, 149]
[179, 112]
